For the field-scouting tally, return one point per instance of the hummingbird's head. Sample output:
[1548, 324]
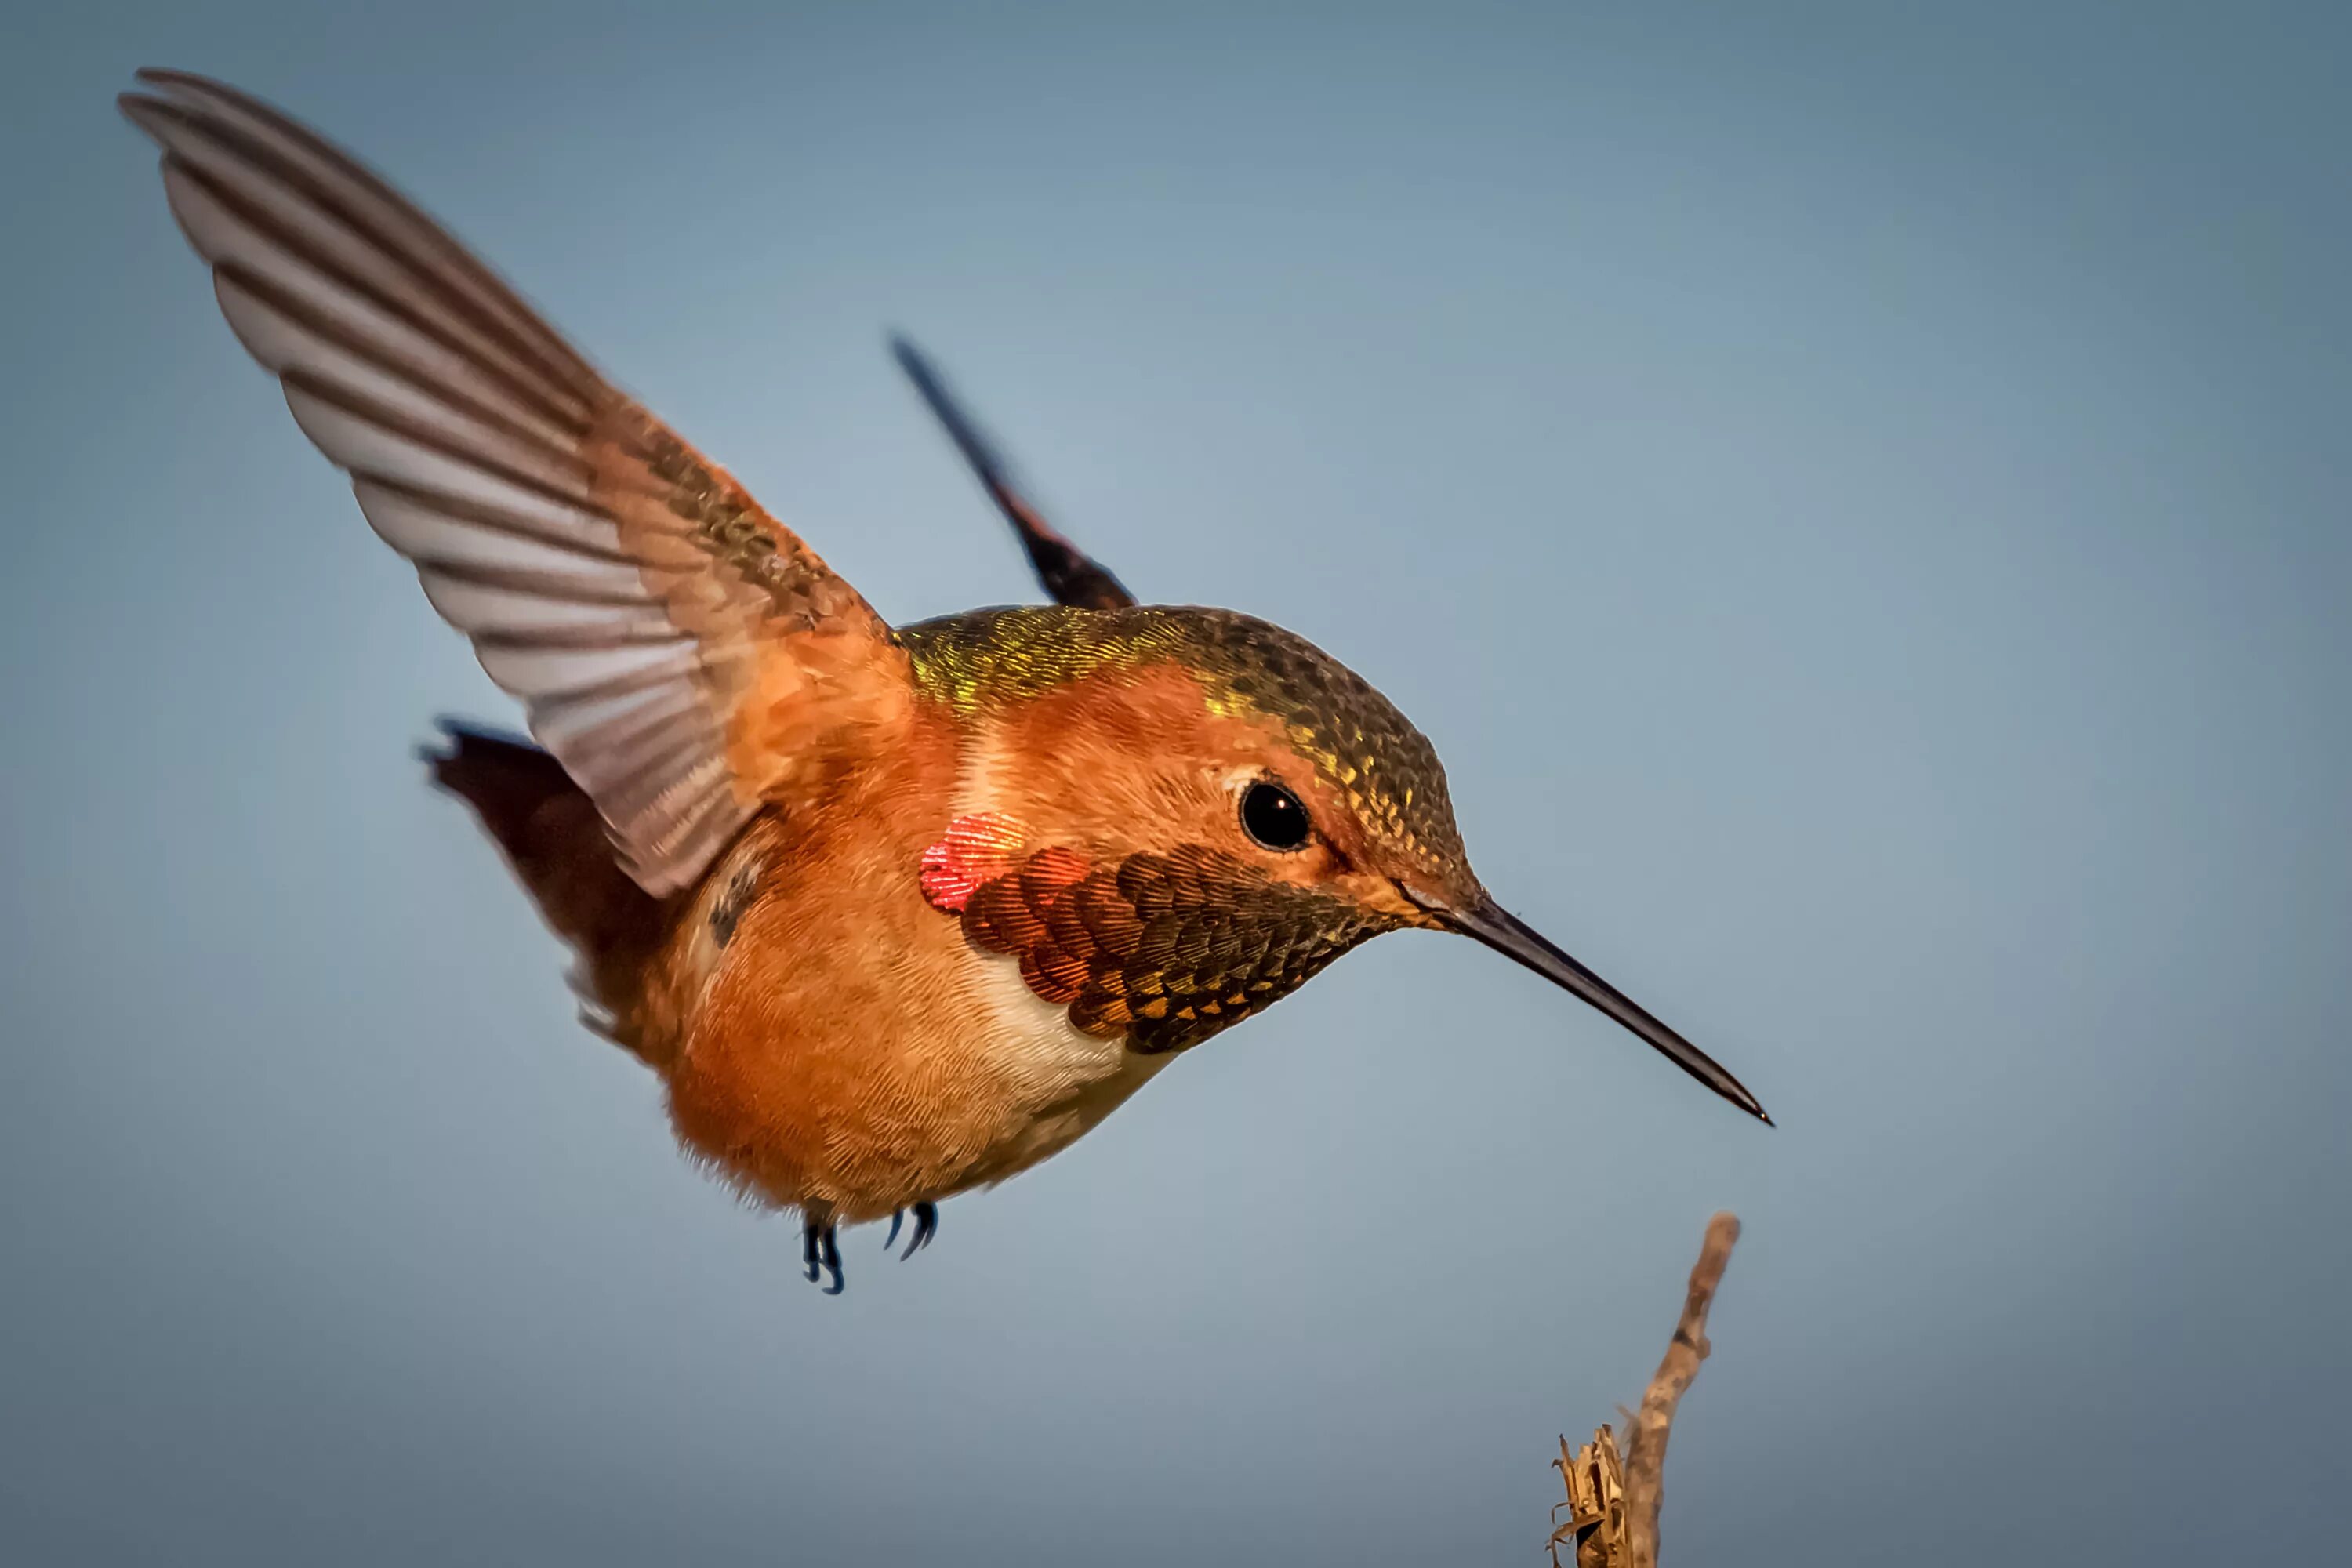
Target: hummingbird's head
[1176, 817]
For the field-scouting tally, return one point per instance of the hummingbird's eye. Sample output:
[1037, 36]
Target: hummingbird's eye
[1272, 815]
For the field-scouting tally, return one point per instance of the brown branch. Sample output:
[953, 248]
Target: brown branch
[1614, 1504]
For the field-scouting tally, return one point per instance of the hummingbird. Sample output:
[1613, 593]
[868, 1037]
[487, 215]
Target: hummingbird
[894, 912]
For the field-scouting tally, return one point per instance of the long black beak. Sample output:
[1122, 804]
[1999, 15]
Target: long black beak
[1514, 938]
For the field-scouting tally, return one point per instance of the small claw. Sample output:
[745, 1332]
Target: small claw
[808, 1251]
[833, 1261]
[927, 1225]
[897, 1217]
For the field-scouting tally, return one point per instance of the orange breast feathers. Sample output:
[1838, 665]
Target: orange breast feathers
[828, 1057]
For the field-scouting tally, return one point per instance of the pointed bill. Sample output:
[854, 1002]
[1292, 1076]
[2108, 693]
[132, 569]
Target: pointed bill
[1507, 935]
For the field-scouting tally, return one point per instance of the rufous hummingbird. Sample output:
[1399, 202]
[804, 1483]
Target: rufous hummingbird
[894, 912]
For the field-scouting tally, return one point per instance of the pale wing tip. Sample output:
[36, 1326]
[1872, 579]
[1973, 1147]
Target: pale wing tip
[175, 86]
[169, 79]
[155, 113]
[140, 108]
[133, 103]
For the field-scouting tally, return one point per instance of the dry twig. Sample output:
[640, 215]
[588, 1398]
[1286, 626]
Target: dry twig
[1612, 1502]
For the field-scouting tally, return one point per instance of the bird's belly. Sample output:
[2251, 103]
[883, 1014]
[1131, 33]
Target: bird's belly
[864, 1078]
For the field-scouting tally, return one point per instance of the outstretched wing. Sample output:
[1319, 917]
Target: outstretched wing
[676, 646]
[1069, 573]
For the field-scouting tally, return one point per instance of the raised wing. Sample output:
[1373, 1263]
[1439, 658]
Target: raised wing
[676, 646]
[1069, 573]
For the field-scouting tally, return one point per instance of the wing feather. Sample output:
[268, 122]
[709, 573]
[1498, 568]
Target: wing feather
[674, 644]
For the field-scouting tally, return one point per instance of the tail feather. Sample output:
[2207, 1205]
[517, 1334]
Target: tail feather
[556, 842]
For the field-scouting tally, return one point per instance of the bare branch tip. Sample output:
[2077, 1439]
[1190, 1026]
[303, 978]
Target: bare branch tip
[1614, 1520]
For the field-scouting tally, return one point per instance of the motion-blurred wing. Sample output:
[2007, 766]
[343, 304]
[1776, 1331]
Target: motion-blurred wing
[1069, 573]
[674, 644]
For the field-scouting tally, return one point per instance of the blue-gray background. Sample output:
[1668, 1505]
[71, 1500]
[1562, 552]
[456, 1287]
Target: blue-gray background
[1858, 495]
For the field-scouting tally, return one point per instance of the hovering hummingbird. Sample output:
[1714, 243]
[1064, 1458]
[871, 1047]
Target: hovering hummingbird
[894, 912]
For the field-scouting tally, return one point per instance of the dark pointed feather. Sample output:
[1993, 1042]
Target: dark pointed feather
[1068, 574]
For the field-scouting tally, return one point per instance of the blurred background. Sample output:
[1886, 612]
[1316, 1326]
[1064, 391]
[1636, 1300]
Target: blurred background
[1857, 494]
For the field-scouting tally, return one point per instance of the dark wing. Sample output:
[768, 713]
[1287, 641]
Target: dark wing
[1069, 573]
[678, 650]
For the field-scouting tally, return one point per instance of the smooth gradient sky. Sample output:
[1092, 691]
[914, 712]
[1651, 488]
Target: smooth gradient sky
[1857, 494]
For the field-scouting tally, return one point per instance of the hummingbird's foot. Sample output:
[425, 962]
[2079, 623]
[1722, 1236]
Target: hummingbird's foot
[821, 1251]
[927, 1225]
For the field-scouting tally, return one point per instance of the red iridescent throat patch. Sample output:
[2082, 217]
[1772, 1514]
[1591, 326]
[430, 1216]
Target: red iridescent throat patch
[976, 849]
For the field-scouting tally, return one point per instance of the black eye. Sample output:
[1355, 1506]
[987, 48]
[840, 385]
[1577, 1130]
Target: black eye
[1272, 815]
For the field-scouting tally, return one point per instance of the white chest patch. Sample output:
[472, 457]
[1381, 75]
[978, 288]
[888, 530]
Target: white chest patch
[1062, 1081]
